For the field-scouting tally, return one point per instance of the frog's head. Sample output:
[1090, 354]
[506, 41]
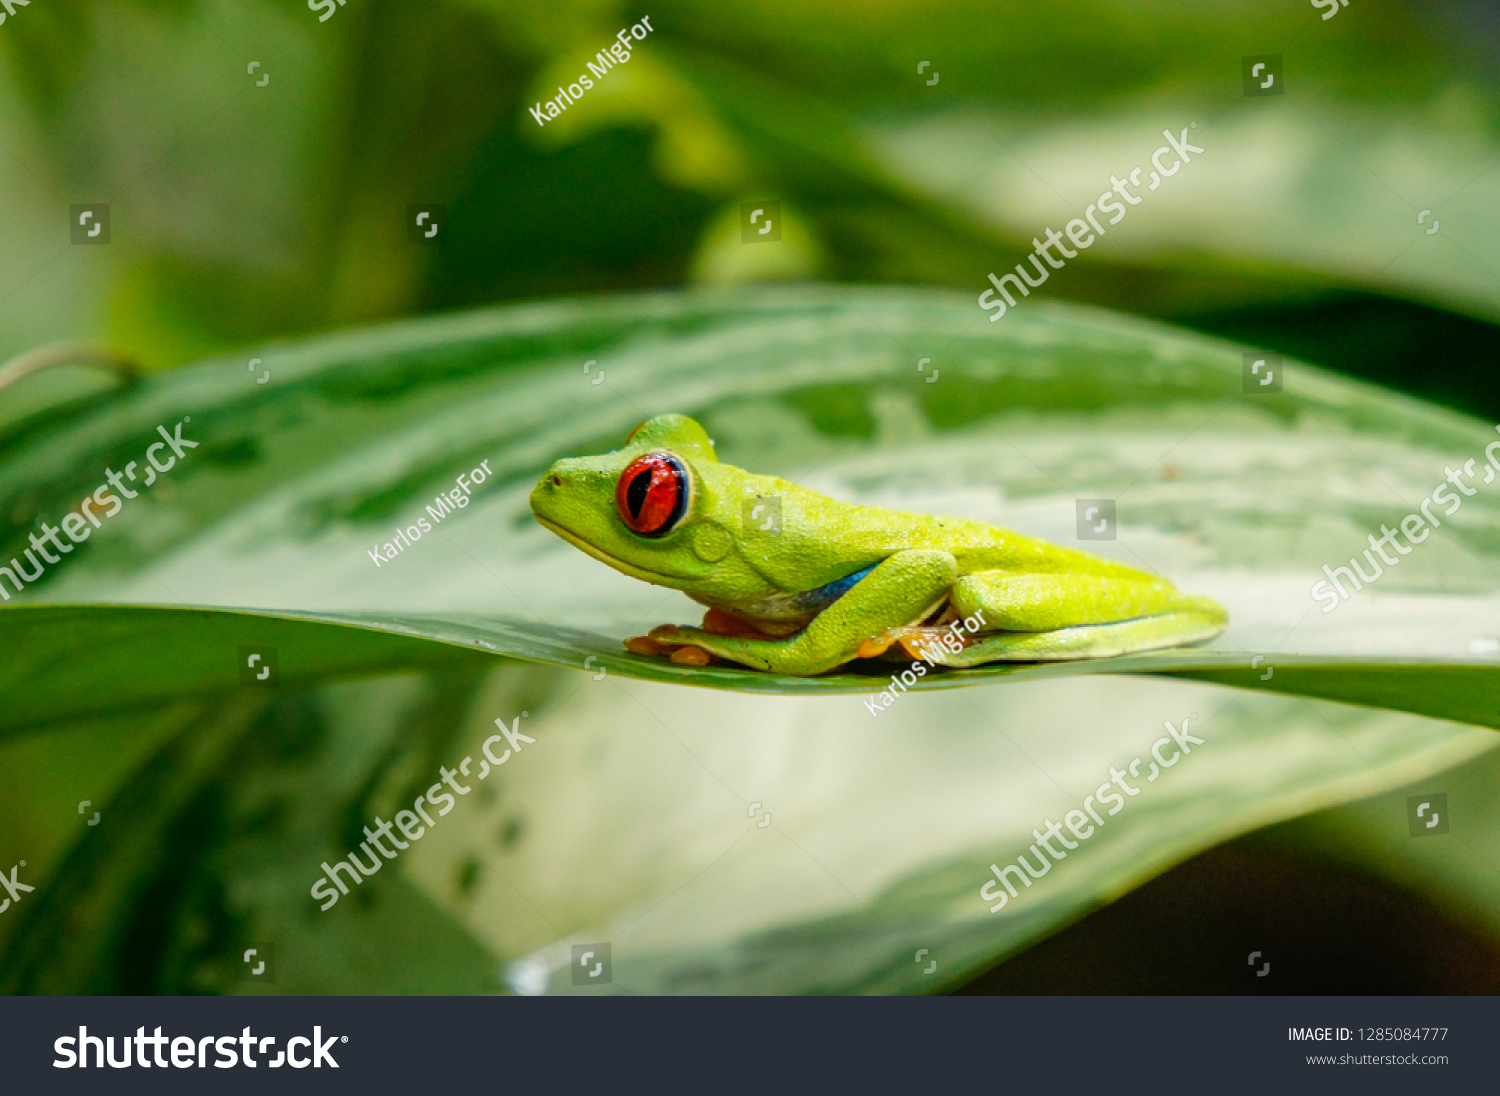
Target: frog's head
[661, 509]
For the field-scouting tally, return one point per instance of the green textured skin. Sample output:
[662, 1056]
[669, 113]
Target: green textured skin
[1038, 601]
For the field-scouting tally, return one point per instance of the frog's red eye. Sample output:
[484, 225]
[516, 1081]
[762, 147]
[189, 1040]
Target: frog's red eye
[652, 495]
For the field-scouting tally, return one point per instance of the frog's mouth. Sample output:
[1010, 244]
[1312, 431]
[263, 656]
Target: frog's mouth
[654, 577]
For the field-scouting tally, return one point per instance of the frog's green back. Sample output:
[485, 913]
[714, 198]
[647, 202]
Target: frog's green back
[745, 537]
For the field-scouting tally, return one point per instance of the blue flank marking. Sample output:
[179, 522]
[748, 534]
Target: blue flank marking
[824, 596]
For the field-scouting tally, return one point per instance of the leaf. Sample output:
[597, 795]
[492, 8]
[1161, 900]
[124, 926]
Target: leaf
[73, 662]
[1242, 497]
[633, 818]
[196, 651]
[211, 845]
[627, 821]
[882, 830]
[1235, 211]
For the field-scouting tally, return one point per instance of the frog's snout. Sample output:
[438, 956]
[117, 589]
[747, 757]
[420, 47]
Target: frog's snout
[546, 487]
[554, 486]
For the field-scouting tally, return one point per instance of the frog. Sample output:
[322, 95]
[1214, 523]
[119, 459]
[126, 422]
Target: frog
[800, 584]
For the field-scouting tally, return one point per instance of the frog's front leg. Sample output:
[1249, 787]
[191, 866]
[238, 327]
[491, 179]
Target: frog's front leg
[903, 589]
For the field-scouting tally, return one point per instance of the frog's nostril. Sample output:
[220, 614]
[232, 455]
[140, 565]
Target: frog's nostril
[557, 480]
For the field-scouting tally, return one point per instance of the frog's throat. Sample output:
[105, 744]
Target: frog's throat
[654, 577]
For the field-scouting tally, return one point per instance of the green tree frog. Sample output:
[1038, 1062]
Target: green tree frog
[809, 583]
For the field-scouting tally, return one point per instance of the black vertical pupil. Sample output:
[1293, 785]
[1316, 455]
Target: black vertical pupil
[635, 494]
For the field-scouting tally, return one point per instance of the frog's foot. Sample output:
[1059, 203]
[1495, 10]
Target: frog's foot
[721, 623]
[685, 646]
[716, 622]
[757, 654]
[682, 654]
[919, 641]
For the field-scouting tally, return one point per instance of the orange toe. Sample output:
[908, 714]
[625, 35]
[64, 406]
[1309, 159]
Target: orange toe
[643, 645]
[721, 623]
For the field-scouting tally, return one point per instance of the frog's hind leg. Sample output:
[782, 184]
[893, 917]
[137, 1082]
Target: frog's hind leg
[1090, 640]
[1053, 617]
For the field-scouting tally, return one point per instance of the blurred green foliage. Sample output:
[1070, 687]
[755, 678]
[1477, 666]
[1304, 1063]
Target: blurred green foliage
[242, 213]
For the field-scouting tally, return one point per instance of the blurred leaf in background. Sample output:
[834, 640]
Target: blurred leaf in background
[243, 212]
